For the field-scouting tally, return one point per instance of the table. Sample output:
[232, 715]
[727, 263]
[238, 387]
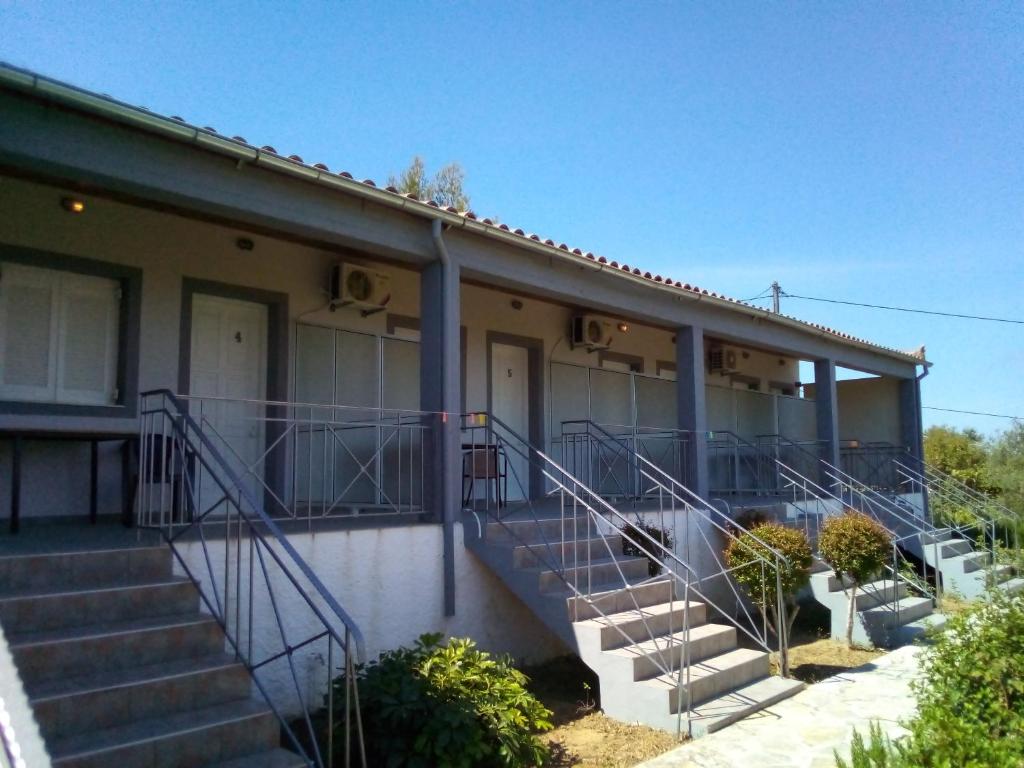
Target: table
[94, 438]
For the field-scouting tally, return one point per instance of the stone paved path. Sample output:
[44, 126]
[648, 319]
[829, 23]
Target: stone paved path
[802, 731]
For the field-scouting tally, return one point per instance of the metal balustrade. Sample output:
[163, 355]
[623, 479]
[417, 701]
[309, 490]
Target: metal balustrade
[670, 501]
[967, 508]
[306, 461]
[815, 503]
[542, 492]
[276, 614]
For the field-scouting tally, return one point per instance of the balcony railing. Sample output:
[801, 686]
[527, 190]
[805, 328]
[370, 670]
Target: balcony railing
[307, 461]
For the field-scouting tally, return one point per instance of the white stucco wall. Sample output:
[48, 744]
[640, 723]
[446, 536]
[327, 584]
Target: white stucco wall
[390, 581]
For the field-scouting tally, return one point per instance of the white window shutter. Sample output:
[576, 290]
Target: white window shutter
[88, 340]
[28, 300]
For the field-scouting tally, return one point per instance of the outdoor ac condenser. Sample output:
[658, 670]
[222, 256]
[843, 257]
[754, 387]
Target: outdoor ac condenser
[356, 286]
[723, 360]
[591, 332]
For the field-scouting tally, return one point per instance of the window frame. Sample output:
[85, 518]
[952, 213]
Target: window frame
[128, 333]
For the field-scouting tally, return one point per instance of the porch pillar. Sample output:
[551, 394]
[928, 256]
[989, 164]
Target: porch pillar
[440, 382]
[910, 417]
[827, 409]
[691, 407]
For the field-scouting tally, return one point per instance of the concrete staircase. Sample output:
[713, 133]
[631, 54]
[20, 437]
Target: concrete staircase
[631, 634]
[886, 614]
[964, 570]
[121, 667]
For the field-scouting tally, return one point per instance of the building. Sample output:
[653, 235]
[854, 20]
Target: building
[349, 359]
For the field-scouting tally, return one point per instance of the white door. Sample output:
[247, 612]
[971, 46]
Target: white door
[510, 402]
[228, 362]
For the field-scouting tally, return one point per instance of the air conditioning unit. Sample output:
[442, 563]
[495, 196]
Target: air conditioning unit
[591, 332]
[724, 360]
[360, 287]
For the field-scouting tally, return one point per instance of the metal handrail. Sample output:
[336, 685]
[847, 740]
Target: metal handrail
[261, 529]
[338, 457]
[501, 439]
[694, 505]
[793, 479]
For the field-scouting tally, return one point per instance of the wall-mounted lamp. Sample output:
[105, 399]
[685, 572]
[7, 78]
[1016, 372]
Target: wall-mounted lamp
[72, 205]
[516, 304]
[244, 244]
[624, 327]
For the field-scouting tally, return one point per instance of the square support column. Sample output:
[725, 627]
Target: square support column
[691, 406]
[440, 382]
[910, 417]
[827, 409]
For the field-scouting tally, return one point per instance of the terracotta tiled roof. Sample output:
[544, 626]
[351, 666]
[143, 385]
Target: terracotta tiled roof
[470, 215]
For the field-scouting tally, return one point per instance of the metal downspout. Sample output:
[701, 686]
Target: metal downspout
[448, 515]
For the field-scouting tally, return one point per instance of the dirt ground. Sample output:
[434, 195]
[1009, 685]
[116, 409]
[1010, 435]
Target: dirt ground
[584, 738]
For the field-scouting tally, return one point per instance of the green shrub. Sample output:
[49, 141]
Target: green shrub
[636, 544]
[447, 706]
[970, 697]
[745, 555]
[856, 547]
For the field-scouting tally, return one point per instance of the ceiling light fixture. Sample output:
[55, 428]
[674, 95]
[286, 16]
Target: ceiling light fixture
[72, 205]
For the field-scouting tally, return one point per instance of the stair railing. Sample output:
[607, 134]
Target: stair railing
[672, 497]
[973, 513]
[805, 491]
[269, 602]
[584, 517]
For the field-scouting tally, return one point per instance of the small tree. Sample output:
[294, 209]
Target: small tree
[446, 188]
[856, 547]
[747, 556]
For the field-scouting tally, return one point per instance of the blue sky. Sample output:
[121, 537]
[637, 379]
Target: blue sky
[866, 151]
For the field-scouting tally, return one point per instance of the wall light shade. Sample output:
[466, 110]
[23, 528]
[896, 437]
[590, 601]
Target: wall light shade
[72, 205]
[624, 327]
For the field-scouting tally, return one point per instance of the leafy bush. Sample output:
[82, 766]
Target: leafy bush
[447, 706]
[970, 697]
[636, 544]
[856, 547]
[746, 555]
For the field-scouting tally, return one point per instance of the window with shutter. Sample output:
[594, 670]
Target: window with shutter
[59, 337]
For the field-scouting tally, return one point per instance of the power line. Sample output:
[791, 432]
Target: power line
[906, 309]
[972, 413]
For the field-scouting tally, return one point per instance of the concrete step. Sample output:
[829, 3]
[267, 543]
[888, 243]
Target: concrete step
[652, 657]
[1012, 586]
[87, 650]
[714, 714]
[638, 624]
[618, 599]
[533, 555]
[712, 677]
[275, 758]
[72, 705]
[82, 570]
[954, 547]
[909, 609]
[530, 531]
[622, 570]
[185, 740]
[967, 563]
[33, 610]
[868, 595]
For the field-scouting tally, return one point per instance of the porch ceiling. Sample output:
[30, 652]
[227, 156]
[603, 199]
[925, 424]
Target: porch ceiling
[231, 180]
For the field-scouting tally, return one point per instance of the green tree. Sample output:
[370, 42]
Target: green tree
[747, 555]
[1006, 467]
[447, 188]
[960, 453]
[857, 548]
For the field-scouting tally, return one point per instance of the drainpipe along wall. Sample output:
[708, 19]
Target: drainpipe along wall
[440, 369]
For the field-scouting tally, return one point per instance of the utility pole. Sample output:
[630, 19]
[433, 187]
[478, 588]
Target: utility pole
[776, 292]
